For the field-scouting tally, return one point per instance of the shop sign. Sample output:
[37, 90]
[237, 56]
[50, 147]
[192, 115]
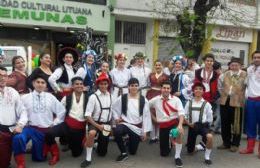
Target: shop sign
[232, 34]
[55, 14]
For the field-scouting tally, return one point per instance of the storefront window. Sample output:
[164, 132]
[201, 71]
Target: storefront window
[130, 32]
[246, 2]
[98, 2]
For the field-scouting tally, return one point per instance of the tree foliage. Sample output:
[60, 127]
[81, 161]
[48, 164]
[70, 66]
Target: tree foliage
[192, 18]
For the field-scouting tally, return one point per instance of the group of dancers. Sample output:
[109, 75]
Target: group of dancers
[84, 106]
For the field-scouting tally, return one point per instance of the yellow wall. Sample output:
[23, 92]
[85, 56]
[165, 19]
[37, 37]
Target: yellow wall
[155, 39]
[253, 46]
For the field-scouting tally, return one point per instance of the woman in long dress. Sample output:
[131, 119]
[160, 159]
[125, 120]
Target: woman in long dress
[156, 78]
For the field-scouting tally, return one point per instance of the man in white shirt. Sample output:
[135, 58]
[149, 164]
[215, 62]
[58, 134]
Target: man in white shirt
[169, 115]
[13, 117]
[73, 128]
[141, 72]
[132, 116]
[98, 113]
[41, 107]
[253, 104]
[199, 117]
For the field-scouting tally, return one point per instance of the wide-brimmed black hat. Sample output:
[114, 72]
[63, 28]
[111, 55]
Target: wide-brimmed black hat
[66, 50]
[234, 59]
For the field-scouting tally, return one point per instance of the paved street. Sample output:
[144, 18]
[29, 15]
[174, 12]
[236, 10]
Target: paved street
[148, 157]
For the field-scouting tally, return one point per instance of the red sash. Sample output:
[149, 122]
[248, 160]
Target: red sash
[75, 124]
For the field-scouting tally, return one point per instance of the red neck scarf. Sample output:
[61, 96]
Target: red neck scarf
[167, 107]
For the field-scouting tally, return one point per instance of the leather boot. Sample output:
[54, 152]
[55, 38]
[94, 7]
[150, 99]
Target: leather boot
[46, 150]
[259, 149]
[20, 161]
[55, 154]
[250, 147]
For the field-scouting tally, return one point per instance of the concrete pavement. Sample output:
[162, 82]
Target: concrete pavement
[148, 157]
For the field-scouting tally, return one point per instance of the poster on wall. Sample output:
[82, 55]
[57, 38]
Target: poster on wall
[224, 50]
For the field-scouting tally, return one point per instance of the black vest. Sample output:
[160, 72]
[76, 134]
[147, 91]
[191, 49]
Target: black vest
[64, 78]
[69, 102]
[125, 102]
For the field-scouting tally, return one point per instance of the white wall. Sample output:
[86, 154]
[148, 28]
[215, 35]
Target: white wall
[131, 49]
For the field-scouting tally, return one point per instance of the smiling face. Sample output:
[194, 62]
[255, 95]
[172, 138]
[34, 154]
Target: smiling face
[3, 78]
[19, 64]
[46, 59]
[166, 90]
[90, 59]
[105, 67]
[178, 65]
[209, 63]
[78, 86]
[68, 59]
[39, 85]
[158, 67]
[198, 91]
[234, 66]
[121, 62]
[133, 88]
[103, 86]
[256, 59]
[139, 61]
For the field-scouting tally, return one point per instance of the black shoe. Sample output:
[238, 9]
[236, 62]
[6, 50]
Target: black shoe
[65, 148]
[122, 158]
[208, 162]
[178, 162]
[152, 141]
[85, 163]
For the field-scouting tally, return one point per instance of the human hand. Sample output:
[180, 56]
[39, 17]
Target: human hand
[17, 130]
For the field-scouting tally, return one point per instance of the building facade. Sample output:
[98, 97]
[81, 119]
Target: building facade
[49, 25]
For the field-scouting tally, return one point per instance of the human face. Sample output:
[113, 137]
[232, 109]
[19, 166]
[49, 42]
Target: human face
[133, 88]
[209, 63]
[46, 60]
[256, 59]
[234, 66]
[103, 86]
[198, 91]
[90, 59]
[140, 61]
[39, 85]
[78, 86]
[178, 65]
[158, 67]
[166, 90]
[19, 64]
[3, 78]
[68, 59]
[105, 67]
[121, 62]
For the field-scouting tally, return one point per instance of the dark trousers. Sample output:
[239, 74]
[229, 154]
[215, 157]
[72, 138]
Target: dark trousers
[231, 120]
[74, 136]
[165, 141]
[5, 148]
[199, 129]
[134, 139]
